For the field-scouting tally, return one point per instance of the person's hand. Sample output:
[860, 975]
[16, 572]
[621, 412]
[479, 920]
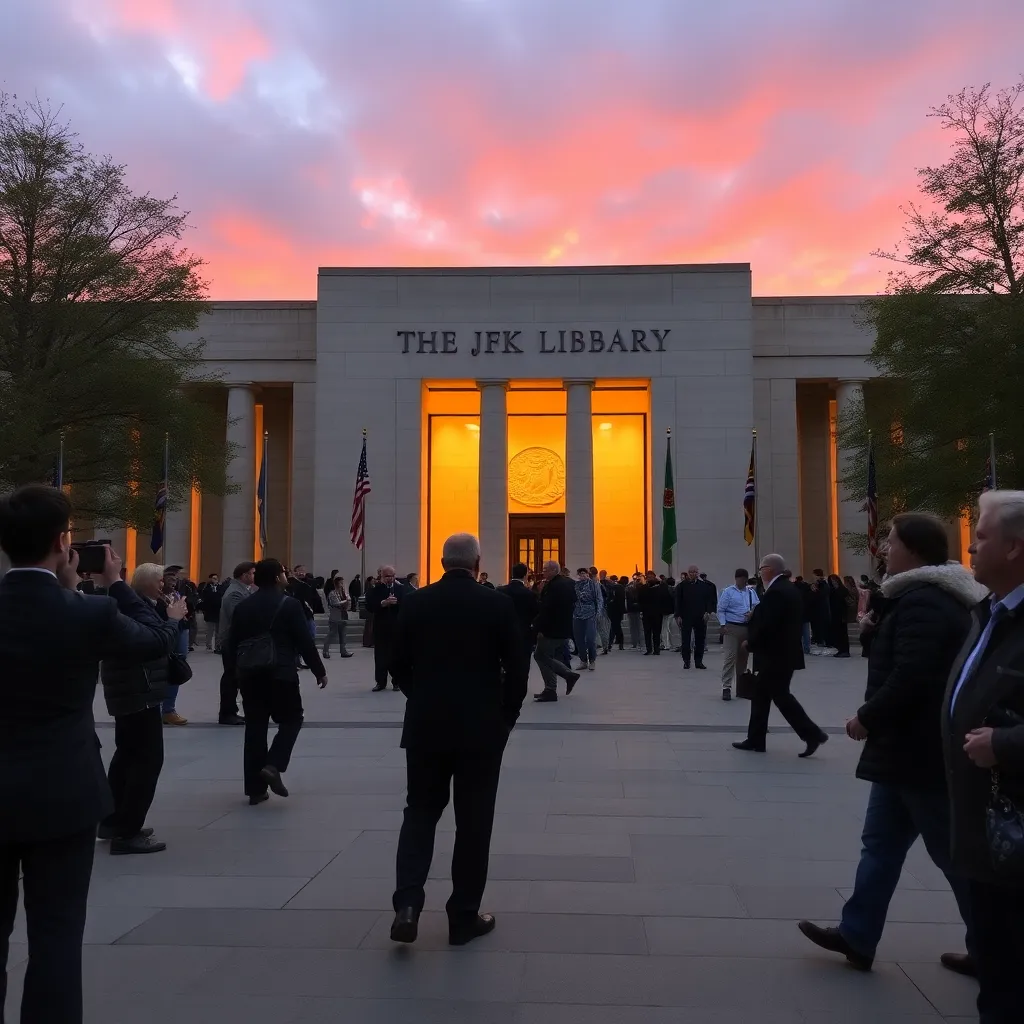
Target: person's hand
[322, 682]
[979, 747]
[111, 567]
[176, 608]
[747, 616]
[855, 729]
[67, 574]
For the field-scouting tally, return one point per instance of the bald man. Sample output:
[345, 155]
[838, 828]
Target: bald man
[383, 601]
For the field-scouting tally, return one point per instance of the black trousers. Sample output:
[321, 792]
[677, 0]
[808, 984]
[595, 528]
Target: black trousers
[228, 694]
[773, 688]
[382, 658]
[473, 777]
[615, 636]
[263, 700]
[997, 919]
[652, 631]
[695, 630]
[55, 878]
[135, 769]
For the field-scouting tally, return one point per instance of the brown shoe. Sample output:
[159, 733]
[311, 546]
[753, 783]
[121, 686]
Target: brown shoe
[175, 719]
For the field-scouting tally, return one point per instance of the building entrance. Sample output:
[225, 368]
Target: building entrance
[536, 539]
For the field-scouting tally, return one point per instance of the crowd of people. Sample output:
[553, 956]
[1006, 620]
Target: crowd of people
[942, 722]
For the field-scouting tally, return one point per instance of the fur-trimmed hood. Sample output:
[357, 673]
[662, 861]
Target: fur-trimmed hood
[951, 577]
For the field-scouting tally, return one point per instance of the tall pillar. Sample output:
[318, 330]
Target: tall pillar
[303, 475]
[851, 514]
[579, 475]
[240, 506]
[494, 479]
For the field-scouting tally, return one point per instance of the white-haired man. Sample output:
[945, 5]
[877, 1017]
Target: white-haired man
[460, 659]
[775, 640]
[983, 732]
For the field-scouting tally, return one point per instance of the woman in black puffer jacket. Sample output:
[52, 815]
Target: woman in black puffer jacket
[134, 692]
[923, 622]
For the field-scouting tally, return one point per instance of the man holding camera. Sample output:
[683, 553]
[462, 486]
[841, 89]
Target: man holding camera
[53, 789]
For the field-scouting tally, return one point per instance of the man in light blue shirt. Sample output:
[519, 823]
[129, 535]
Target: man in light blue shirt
[735, 606]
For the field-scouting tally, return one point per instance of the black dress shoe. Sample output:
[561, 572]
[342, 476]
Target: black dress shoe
[686, 664]
[700, 665]
[377, 689]
[235, 719]
[272, 777]
[405, 926]
[137, 844]
[346, 654]
[461, 932]
[545, 697]
[109, 832]
[574, 678]
[812, 745]
[259, 798]
[747, 745]
[961, 963]
[832, 940]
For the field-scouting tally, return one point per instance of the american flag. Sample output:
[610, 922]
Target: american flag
[872, 507]
[356, 531]
[750, 498]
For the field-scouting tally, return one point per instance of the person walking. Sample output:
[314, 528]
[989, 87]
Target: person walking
[655, 600]
[209, 608]
[586, 611]
[736, 606]
[238, 589]
[525, 602]
[553, 627]
[268, 631]
[337, 618]
[983, 743]
[636, 626]
[774, 641]
[616, 605]
[355, 591]
[921, 629]
[460, 659]
[384, 602]
[53, 790]
[694, 603]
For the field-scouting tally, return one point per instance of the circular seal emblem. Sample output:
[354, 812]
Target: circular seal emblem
[536, 476]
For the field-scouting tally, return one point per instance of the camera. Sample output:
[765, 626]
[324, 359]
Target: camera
[92, 555]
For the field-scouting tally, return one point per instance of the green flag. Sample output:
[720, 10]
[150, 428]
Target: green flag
[668, 510]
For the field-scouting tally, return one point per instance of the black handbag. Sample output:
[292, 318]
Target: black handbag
[1004, 827]
[258, 654]
[178, 670]
[746, 684]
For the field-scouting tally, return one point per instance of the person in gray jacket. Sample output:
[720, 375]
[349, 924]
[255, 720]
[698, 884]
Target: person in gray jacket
[240, 587]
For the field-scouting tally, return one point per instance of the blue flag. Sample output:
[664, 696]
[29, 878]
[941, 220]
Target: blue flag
[160, 506]
[261, 500]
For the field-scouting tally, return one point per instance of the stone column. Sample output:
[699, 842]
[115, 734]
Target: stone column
[579, 475]
[303, 475]
[493, 479]
[240, 507]
[851, 514]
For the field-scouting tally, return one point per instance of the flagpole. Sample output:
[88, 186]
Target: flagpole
[671, 453]
[266, 493]
[362, 550]
[992, 457]
[757, 511]
[167, 487]
[60, 463]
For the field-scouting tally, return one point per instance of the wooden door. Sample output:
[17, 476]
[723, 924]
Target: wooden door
[536, 540]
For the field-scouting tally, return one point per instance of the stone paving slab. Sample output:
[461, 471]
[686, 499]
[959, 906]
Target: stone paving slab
[642, 870]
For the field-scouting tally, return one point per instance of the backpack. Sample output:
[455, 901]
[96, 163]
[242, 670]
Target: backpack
[258, 654]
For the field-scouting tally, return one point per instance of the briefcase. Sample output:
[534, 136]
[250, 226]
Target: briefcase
[745, 686]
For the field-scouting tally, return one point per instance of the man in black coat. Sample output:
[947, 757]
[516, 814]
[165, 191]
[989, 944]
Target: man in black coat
[209, 608]
[525, 602]
[553, 627]
[655, 600]
[615, 605]
[53, 790]
[695, 599]
[983, 736]
[274, 621]
[383, 602]
[774, 641]
[460, 659]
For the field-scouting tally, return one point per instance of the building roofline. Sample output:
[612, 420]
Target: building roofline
[649, 268]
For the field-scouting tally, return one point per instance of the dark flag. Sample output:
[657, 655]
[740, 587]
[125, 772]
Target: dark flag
[668, 507]
[871, 505]
[58, 466]
[261, 498]
[160, 505]
[750, 496]
[358, 527]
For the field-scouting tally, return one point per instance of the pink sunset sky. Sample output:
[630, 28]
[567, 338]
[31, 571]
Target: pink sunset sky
[492, 132]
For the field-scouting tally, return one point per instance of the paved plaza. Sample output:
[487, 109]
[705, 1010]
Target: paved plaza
[642, 872]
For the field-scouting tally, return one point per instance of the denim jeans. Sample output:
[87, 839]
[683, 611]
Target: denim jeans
[171, 692]
[584, 632]
[805, 636]
[895, 817]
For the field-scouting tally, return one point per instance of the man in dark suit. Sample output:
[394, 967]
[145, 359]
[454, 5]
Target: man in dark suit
[270, 689]
[383, 601]
[53, 790]
[655, 601]
[461, 662]
[525, 601]
[694, 600]
[553, 627]
[774, 641]
[983, 733]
